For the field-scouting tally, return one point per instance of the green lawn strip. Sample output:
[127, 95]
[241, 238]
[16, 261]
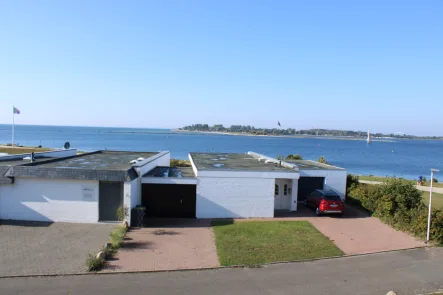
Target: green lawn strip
[381, 179]
[437, 199]
[258, 242]
[20, 150]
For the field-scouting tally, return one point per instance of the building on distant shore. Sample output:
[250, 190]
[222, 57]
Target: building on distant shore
[61, 186]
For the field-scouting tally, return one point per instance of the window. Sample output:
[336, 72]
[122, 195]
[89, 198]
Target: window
[276, 190]
[285, 190]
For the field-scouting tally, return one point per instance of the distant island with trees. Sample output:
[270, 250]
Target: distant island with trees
[251, 130]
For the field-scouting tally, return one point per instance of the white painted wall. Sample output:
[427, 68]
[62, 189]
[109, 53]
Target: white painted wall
[160, 159]
[334, 179]
[131, 196]
[233, 197]
[50, 200]
[294, 195]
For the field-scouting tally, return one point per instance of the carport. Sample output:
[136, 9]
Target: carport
[307, 185]
[169, 192]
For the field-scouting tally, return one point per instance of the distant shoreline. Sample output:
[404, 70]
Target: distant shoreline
[284, 136]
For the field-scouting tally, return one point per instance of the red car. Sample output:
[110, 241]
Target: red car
[325, 202]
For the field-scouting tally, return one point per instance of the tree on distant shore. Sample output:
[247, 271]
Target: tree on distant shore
[322, 160]
[293, 157]
[248, 129]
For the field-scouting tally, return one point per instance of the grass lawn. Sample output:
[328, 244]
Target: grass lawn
[437, 199]
[258, 242]
[21, 150]
[381, 179]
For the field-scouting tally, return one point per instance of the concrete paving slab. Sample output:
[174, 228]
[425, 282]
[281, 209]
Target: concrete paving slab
[42, 248]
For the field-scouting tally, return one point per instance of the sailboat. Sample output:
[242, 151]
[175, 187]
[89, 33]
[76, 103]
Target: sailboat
[369, 137]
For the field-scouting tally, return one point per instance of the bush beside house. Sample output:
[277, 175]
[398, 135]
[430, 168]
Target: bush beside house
[398, 203]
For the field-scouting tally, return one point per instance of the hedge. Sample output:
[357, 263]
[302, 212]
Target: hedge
[398, 203]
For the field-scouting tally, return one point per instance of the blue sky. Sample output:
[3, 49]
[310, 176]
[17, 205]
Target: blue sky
[324, 64]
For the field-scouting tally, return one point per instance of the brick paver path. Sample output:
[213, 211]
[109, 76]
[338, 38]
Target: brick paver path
[167, 245]
[39, 248]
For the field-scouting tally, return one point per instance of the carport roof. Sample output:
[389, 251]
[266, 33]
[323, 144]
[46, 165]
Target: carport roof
[312, 165]
[177, 172]
[234, 161]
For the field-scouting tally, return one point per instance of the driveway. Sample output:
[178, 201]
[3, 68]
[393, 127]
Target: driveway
[42, 248]
[167, 244]
[356, 232]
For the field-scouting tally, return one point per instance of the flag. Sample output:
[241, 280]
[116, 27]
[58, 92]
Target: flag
[16, 111]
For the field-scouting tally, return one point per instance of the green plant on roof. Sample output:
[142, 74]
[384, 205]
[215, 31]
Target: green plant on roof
[293, 157]
[322, 160]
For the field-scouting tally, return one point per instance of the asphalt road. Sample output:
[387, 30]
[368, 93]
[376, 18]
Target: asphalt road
[415, 271]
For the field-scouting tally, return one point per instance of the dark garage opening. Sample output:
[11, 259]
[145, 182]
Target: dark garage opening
[169, 200]
[307, 185]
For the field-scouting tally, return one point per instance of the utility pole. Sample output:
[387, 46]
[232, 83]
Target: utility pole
[430, 204]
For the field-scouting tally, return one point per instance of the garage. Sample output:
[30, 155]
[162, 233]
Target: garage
[307, 185]
[169, 200]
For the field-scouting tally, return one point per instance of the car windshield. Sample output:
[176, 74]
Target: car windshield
[332, 198]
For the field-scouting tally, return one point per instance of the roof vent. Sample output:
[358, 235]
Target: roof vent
[133, 162]
[219, 165]
[140, 159]
[270, 161]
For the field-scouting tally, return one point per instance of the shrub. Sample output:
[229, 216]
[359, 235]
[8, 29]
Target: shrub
[322, 160]
[109, 251]
[398, 203]
[180, 163]
[93, 263]
[351, 180]
[402, 193]
[364, 196]
[435, 180]
[122, 212]
[117, 237]
[420, 225]
[293, 157]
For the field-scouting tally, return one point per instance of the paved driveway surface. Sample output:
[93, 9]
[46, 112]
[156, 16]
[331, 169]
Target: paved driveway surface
[356, 232]
[167, 244]
[38, 248]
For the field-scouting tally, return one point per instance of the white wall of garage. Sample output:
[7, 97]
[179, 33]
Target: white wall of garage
[232, 197]
[334, 179]
[131, 196]
[50, 200]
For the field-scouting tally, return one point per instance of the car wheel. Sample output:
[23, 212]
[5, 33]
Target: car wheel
[317, 212]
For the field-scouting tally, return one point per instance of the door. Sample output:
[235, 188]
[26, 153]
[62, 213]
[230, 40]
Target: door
[110, 198]
[169, 200]
[307, 185]
[282, 194]
[277, 195]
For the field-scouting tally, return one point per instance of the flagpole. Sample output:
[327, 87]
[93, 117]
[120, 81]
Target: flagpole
[13, 114]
